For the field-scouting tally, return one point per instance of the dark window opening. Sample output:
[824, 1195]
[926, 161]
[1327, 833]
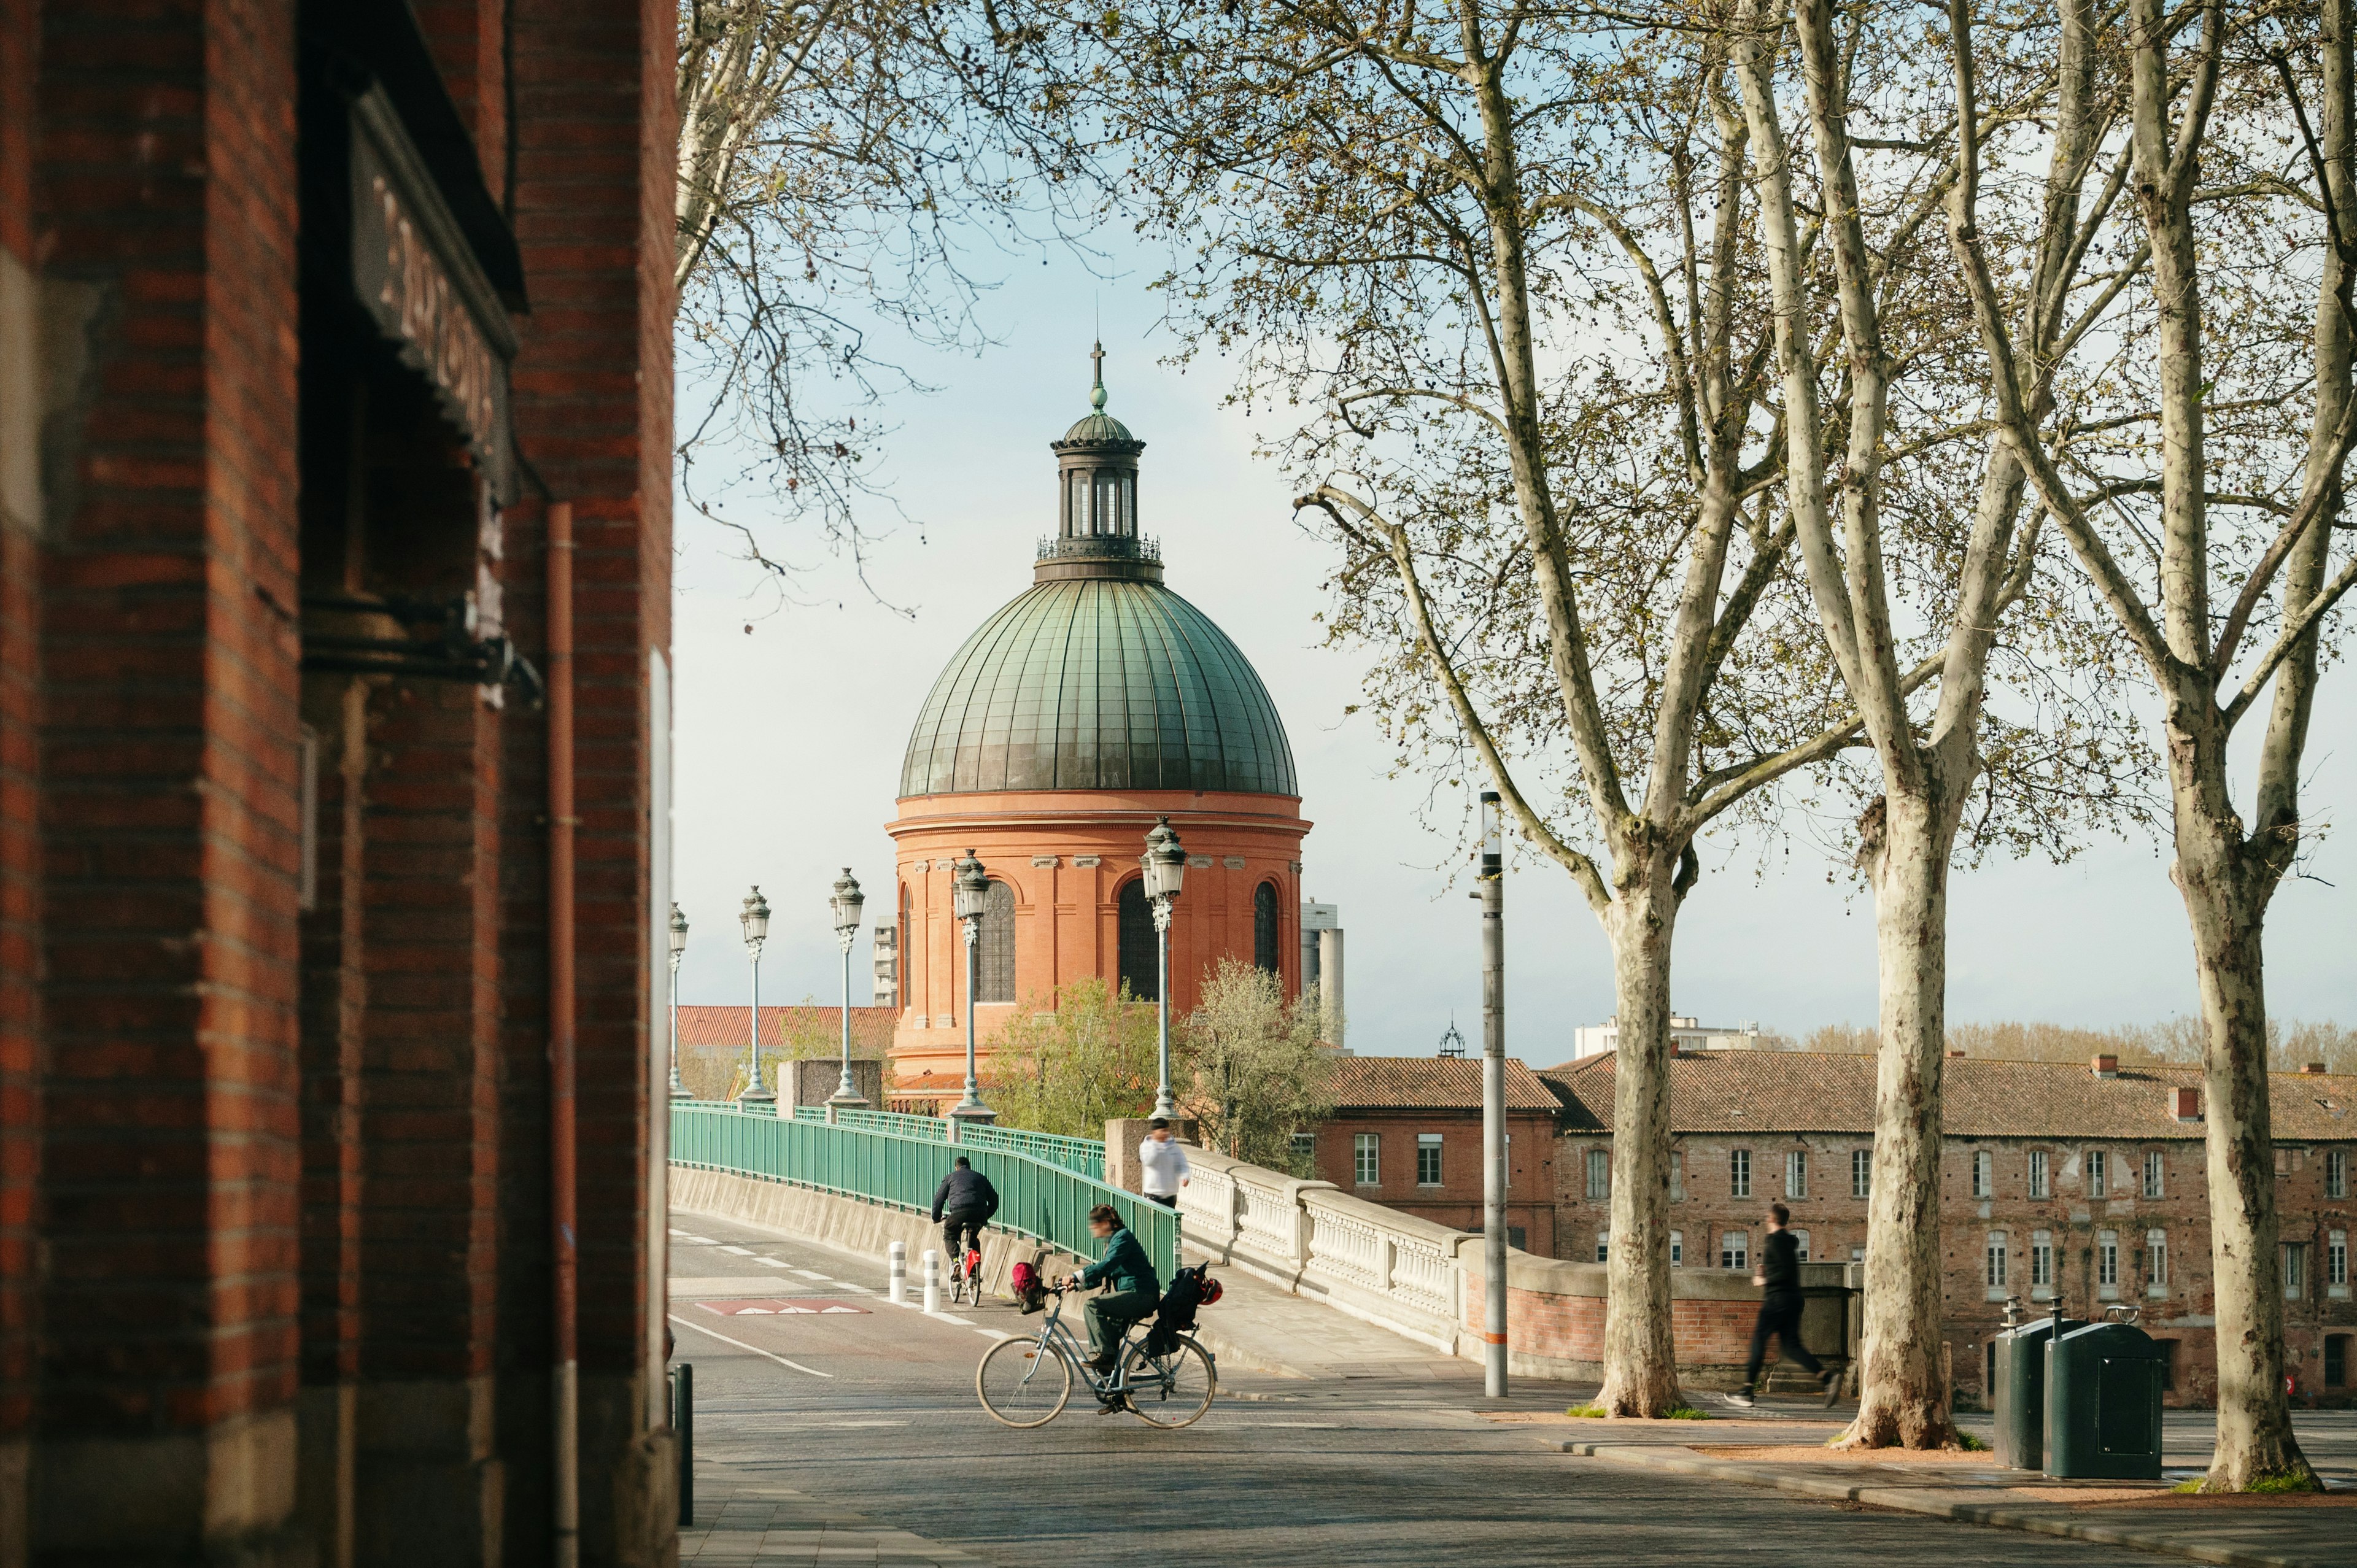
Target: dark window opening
[995, 979]
[2336, 1360]
[1265, 926]
[1136, 942]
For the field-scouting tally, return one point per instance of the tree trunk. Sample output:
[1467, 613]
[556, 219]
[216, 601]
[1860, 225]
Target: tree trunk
[1903, 1398]
[2226, 883]
[1641, 1366]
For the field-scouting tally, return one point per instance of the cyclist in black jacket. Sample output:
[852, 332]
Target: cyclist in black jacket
[1778, 1277]
[963, 1203]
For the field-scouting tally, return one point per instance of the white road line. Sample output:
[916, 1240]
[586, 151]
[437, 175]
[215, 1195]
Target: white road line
[756, 1351]
[807, 1273]
[740, 1252]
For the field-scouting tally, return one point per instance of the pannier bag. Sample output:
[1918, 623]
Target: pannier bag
[1190, 1290]
[1029, 1288]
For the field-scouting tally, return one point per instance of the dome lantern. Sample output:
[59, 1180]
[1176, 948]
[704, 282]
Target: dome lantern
[1096, 500]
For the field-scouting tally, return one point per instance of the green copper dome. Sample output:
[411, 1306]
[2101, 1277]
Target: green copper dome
[1109, 682]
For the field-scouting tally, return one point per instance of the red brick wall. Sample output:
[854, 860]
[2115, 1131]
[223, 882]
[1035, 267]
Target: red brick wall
[1836, 1220]
[1706, 1332]
[1458, 1199]
[165, 190]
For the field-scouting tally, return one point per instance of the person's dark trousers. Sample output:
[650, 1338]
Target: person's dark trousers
[1111, 1313]
[966, 1221]
[1166, 1199]
[1779, 1314]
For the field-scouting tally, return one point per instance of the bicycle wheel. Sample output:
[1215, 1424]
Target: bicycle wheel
[1170, 1390]
[1022, 1384]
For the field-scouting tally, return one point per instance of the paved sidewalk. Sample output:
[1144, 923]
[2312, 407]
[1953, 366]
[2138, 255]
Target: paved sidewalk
[2265, 1532]
[1259, 1327]
[743, 1518]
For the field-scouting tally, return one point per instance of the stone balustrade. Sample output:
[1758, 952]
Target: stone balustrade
[1424, 1280]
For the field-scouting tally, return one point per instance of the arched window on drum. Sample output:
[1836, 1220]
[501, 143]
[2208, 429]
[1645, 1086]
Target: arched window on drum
[994, 962]
[1265, 928]
[1136, 942]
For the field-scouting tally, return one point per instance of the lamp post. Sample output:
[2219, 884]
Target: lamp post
[1165, 864]
[1493, 1098]
[847, 904]
[972, 899]
[755, 921]
[678, 948]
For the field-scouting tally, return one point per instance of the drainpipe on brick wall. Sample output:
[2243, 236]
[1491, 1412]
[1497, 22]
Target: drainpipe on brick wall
[565, 1380]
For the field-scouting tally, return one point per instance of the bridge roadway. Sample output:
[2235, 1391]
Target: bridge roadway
[872, 1411]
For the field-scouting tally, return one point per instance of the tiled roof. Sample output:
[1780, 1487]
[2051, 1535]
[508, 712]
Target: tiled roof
[703, 1025]
[1806, 1091]
[1430, 1083]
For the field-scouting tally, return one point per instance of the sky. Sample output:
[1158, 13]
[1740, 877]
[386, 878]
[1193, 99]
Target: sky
[788, 738]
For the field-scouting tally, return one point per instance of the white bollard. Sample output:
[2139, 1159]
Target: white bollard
[896, 1257]
[932, 1280]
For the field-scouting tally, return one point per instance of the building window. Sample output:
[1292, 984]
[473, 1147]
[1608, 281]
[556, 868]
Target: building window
[2042, 1184]
[2094, 1173]
[1857, 1254]
[1600, 1173]
[2156, 1262]
[1518, 1238]
[995, 954]
[1983, 1173]
[2107, 1263]
[2336, 1261]
[1136, 942]
[1738, 1173]
[1265, 935]
[1994, 1258]
[1427, 1159]
[2152, 1173]
[2336, 1360]
[2041, 1260]
[1305, 1154]
[1603, 1246]
[1861, 1172]
[1678, 1249]
[2167, 1365]
[1366, 1158]
[1796, 1173]
[1801, 1246]
[2295, 1269]
[2336, 1174]
[1735, 1250]
[1677, 1176]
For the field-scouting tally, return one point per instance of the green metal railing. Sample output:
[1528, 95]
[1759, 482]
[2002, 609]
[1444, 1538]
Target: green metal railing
[1085, 1155]
[1037, 1196]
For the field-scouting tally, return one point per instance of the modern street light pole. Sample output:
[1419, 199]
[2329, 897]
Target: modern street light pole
[847, 904]
[1493, 1099]
[972, 900]
[678, 948]
[1165, 864]
[755, 921]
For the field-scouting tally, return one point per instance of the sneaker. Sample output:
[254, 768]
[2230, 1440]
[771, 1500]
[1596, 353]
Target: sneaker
[1740, 1401]
[1111, 1406]
[1832, 1386]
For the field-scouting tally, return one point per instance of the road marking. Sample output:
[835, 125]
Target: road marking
[740, 1252]
[846, 1284]
[807, 1273]
[756, 1349]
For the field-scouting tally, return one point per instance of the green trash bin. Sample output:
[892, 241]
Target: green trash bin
[2019, 1395]
[2102, 1403]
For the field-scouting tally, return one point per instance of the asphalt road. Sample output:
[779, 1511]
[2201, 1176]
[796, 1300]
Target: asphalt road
[874, 1409]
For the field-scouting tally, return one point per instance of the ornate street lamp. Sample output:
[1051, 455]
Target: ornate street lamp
[1165, 864]
[755, 921]
[678, 948]
[847, 904]
[972, 900]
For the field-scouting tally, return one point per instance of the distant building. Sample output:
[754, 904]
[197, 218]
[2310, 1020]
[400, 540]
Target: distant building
[1685, 1035]
[1406, 1133]
[2083, 1182]
[1321, 967]
[887, 965]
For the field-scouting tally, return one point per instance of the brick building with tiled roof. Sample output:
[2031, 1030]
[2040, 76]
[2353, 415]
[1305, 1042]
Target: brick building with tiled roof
[2085, 1181]
[713, 1040]
[1406, 1133]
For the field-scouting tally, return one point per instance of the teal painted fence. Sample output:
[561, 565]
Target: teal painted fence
[1037, 1196]
[1085, 1155]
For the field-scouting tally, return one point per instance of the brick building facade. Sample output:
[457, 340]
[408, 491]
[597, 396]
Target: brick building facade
[2082, 1181]
[1406, 1133]
[320, 322]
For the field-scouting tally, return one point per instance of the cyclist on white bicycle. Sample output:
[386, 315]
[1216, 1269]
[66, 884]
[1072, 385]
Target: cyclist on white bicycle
[1137, 1291]
[962, 1205]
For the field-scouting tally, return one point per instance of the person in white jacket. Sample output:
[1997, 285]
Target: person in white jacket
[1163, 1161]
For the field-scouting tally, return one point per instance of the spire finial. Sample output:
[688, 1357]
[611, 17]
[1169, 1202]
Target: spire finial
[1097, 394]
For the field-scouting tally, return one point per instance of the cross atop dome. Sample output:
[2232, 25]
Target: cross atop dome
[1097, 397]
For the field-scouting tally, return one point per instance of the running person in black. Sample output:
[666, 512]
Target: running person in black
[962, 1204]
[1778, 1277]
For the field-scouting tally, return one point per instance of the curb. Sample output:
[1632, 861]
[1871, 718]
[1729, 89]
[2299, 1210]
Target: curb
[1934, 1504]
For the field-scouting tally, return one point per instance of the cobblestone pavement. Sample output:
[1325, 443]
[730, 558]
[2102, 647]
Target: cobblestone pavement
[864, 1422]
